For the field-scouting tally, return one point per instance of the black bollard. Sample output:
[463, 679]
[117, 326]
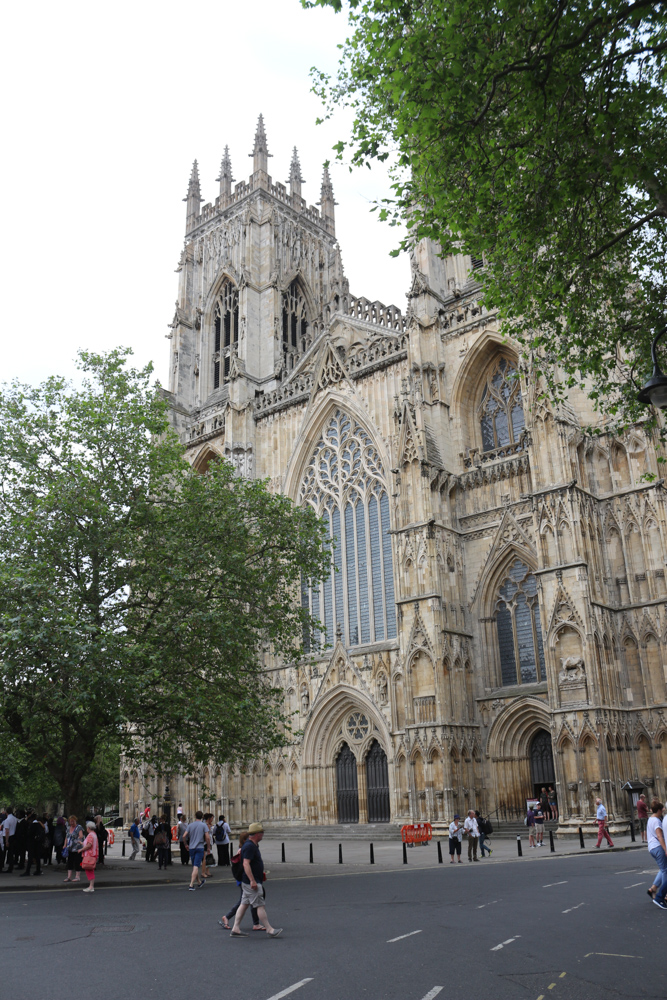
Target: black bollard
[106, 847]
[123, 848]
[632, 830]
[282, 853]
[519, 849]
[439, 853]
[372, 855]
[311, 854]
[581, 838]
[551, 842]
[405, 853]
[340, 854]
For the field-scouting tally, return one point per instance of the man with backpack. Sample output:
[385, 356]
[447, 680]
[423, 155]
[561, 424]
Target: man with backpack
[485, 830]
[222, 834]
[135, 834]
[252, 893]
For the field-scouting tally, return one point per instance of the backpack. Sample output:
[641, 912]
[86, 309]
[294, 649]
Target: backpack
[237, 867]
[219, 833]
[487, 827]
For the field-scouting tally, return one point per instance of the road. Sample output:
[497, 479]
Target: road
[573, 928]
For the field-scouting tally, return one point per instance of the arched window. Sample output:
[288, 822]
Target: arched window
[225, 332]
[519, 628]
[345, 484]
[500, 409]
[295, 324]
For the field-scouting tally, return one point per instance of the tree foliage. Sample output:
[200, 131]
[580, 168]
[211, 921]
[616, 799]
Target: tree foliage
[534, 135]
[138, 599]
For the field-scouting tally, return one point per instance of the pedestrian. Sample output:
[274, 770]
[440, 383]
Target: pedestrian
[237, 873]
[539, 825]
[148, 830]
[252, 887]
[485, 830]
[162, 841]
[20, 839]
[3, 817]
[35, 842]
[530, 823]
[198, 841]
[90, 853]
[135, 835]
[47, 823]
[455, 835]
[208, 857]
[59, 836]
[179, 812]
[471, 828]
[9, 832]
[181, 828]
[601, 816]
[642, 815]
[553, 802]
[658, 851]
[222, 836]
[544, 803]
[102, 837]
[73, 848]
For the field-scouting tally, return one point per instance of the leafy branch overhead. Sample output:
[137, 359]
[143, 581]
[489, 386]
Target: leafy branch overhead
[533, 135]
[137, 597]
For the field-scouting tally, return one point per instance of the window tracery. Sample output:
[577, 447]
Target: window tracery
[295, 324]
[345, 484]
[225, 332]
[501, 409]
[519, 628]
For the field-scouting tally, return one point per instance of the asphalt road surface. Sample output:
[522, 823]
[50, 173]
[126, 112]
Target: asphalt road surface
[577, 928]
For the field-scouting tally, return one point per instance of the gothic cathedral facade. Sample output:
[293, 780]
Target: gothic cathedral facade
[497, 620]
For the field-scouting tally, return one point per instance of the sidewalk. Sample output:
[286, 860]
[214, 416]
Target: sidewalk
[118, 872]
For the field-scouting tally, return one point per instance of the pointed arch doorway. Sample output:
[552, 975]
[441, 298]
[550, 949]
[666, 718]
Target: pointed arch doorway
[347, 788]
[377, 785]
[541, 761]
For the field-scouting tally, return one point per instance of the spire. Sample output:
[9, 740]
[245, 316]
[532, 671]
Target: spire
[295, 179]
[225, 178]
[260, 153]
[327, 202]
[193, 197]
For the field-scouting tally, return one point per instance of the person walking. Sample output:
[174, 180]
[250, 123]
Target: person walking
[237, 873]
[471, 828]
[553, 802]
[35, 841]
[183, 848]
[198, 841]
[485, 830]
[135, 836]
[73, 847]
[222, 837]
[252, 893]
[102, 837]
[162, 842]
[455, 835]
[601, 817]
[148, 830]
[59, 835]
[90, 853]
[9, 832]
[658, 851]
[642, 816]
[208, 857]
[530, 823]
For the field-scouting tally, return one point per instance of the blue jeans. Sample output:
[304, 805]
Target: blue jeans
[660, 859]
[482, 838]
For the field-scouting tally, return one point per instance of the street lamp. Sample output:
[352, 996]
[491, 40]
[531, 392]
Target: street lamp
[655, 390]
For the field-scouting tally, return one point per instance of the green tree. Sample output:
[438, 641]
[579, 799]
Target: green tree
[138, 599]
[533, 135]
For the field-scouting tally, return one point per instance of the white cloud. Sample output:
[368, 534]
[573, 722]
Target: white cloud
[105, 109]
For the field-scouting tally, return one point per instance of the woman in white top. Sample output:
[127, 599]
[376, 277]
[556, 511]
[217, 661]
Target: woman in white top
[455, 834]
[658, 851]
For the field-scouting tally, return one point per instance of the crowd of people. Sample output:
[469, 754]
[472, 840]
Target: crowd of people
[157, 836]
[29, 841]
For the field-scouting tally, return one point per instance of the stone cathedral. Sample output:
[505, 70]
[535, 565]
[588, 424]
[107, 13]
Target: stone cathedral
[497, 617]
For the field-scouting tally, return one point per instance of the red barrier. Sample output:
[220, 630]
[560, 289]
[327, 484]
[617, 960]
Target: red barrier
[112, 838]
[174, 833]
[417, 833]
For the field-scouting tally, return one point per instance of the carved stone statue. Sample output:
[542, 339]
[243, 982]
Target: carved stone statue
[305, 700]
[572, 670]
[382, 689]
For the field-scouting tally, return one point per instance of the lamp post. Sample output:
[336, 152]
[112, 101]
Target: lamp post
[655, 390]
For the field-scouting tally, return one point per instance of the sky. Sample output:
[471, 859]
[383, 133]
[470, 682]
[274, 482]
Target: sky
[105, 108]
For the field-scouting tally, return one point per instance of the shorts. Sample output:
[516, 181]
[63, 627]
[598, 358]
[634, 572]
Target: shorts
[252, 897]
[454, 846]
[197, 856]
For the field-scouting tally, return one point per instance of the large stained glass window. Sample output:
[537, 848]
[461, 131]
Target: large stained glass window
[501, 409]
[345, 484]
[519, 628]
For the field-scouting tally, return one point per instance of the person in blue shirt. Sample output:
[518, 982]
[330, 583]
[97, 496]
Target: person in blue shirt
[601, 816]
[135, 834]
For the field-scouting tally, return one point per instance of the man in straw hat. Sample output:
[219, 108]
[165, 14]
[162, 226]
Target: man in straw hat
[252, 890]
